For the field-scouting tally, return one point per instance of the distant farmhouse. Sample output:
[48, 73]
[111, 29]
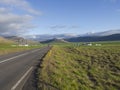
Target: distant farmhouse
[87, 44]
[22, 42]
[97, 44]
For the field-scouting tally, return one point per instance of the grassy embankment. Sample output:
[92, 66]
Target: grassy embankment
[81, 68]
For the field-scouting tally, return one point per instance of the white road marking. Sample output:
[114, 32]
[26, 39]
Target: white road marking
[17, 56]
[21, 79]
[13, 58]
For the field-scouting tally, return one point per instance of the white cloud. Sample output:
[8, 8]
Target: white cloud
[12, 23]
[21, 4]
[2, 10]
[57, 27]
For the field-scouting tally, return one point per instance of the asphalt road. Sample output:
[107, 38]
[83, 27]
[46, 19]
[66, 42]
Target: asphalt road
[16, 68]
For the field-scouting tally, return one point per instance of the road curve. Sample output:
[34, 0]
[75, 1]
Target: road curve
[16, 68]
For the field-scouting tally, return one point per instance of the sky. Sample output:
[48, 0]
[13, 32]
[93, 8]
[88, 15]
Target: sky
[28, 17]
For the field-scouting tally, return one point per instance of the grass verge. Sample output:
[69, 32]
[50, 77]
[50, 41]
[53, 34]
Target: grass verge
[80, 68]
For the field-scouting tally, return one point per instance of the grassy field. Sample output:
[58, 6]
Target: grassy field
[81, 68]
[6, 48]
[9, 46]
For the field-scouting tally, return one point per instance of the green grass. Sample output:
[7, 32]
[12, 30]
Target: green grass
[81, 68]
[108, 43]
[6, 48]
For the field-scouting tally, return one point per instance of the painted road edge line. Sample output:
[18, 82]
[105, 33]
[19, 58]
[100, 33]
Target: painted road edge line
[13, 58]
[17, 56]
[21, 79]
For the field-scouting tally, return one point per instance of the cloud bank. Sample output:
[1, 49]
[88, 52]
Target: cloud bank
[59, 27]
[21, 4]
[12, 23]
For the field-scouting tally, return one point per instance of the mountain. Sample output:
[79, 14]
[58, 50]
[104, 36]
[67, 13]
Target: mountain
[20, 40]
[104, 33]
[14, 38]
[71, 37]
[54, 41]
[45, 37]
[4, 40]
[113, 37]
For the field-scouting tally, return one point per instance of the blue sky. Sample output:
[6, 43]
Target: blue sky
[60, 16]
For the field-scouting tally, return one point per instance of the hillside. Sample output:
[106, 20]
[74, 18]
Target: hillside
[21, 40]
[5, 41]
[45, 37]
[114, 37]
[54, 41]
[103, 33]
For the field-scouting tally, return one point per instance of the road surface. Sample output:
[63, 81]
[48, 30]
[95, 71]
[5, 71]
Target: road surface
[16, 68]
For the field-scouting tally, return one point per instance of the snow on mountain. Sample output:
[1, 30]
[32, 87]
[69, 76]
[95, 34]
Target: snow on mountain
[47, 36]
[104, 33]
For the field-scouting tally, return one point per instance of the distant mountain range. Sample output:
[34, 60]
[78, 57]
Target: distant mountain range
[48, 37]
[113, 37]
[5, 41]
[14, 38]
[104, 33]
[54, 41]
[70, 36]
[20, 40]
